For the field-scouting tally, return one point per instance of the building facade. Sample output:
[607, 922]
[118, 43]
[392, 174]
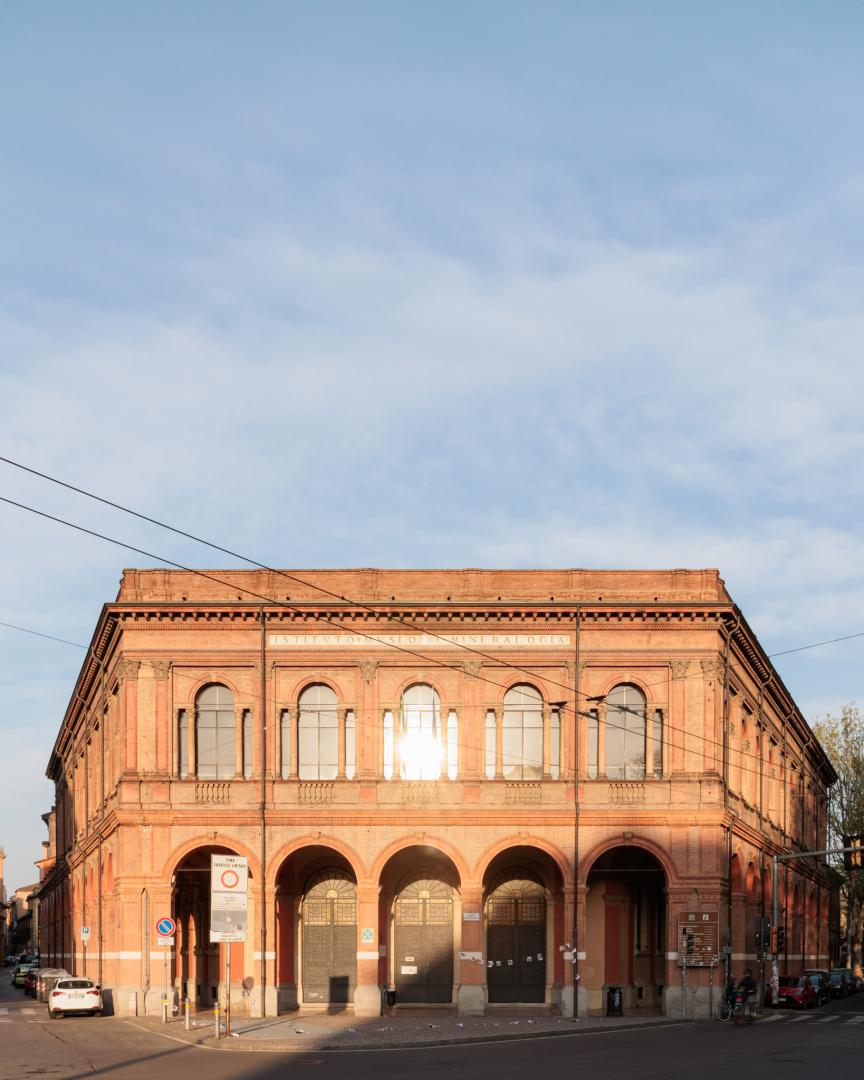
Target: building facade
[474, 787]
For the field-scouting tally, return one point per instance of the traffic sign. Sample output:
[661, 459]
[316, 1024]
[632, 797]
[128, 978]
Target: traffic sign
[229, 893]
[166, 927]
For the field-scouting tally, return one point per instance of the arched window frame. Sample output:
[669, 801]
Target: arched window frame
[632, 734]
[420, 723]
[215, 733]
[318, 733]
[524, 740]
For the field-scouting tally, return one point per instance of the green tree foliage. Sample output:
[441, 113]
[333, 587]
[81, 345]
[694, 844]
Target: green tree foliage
[843, 739]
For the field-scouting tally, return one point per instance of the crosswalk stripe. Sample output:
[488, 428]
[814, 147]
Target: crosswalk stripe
[5, 1020]
[773, 1018]
[856, 1019]
[803, 1016]
[827, 1019]
[28, 1012]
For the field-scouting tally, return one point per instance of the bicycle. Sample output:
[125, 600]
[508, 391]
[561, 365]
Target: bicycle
[723, 1012]
[744, 1011]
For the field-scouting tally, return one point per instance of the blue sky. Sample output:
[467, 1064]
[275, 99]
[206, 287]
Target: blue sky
[442, 284]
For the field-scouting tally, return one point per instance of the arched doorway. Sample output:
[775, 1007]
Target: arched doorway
[423, 927]
[625, 923]
[200, 963]
[316, 929]
[420, 900]
[516, 940]
[329, 946]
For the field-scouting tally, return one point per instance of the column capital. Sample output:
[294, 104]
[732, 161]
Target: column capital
[128, 669]
[161, 668]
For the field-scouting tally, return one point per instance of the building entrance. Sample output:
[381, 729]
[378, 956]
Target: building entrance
[329, 915]
[424, 940]
[516, 941]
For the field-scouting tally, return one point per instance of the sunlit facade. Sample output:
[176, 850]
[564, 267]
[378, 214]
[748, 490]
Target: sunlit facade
[475, 788]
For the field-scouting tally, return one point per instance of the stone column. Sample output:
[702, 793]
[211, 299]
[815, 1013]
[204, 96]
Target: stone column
[161, 669]
[471, 998]
[367, 734]
[191, 745]
[127, 672]
[547, 743]
[340, 768]
[367, 996]
[238, 740]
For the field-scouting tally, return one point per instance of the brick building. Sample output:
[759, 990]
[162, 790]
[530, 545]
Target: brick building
[409, 807]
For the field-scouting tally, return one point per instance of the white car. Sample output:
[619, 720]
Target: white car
[75, 995]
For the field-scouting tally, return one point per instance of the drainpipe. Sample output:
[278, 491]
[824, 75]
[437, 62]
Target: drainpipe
[263, 809]
[576, 719]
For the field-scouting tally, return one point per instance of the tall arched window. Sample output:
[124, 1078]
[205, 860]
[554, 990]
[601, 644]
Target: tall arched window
[420, 744]
[215, 733]
[522, 744]
[318, 734]
[625, 733]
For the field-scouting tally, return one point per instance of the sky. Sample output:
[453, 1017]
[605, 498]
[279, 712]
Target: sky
[435, 284]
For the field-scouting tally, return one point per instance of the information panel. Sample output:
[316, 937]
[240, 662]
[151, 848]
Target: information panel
[703, 930]
[229, 881]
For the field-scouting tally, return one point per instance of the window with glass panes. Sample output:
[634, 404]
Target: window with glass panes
[318, 734]
[522, 743]
[215, 733]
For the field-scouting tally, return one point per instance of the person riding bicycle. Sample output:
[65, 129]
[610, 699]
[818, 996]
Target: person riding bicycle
[747, 991]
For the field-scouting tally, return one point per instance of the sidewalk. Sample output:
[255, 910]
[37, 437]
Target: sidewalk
[305, 1031]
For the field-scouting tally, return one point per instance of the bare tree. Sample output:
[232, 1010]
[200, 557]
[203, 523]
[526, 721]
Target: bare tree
[843, 739]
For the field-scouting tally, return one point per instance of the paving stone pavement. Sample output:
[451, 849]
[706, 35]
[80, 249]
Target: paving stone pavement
[421, 1027]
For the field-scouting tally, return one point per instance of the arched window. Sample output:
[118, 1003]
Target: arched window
[215, 733]
[625, 732]
[420, 744]
[318, 734]
[523, 734]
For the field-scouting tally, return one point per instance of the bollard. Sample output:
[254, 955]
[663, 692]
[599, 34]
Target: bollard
[164, 1008]
[216, 1020]
[187, 1014]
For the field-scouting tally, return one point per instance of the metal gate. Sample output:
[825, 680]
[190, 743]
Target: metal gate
[424, 941]
[329, 915]
[516, 941]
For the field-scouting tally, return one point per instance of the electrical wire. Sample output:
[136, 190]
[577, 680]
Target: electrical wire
[668, 728]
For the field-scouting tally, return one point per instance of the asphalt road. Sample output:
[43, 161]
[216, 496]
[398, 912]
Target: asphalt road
[800, 1045]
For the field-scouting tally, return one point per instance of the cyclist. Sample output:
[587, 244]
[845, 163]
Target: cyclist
[746, 994]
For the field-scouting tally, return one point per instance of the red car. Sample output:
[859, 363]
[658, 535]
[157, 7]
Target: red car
[797, 990]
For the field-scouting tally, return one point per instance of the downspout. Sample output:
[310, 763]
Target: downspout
[576, 719]
[729, 844]
[263, 810]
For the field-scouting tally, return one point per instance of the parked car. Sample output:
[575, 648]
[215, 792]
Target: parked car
[30, 981]
[819, 978]
[797, 990]
[46, 978]
[75, 995]
[20, 972]
[841, 982]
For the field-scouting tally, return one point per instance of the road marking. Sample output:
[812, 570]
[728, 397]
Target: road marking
[827, 1019]
[856, 1019]
[772, 1019]
[803, 1016]
[5, 1020]
[28, 1012]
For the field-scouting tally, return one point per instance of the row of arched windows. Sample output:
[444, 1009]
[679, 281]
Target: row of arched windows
[522, 741]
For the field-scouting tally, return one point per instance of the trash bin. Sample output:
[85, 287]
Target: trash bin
[390, 997]
[614, 1001]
